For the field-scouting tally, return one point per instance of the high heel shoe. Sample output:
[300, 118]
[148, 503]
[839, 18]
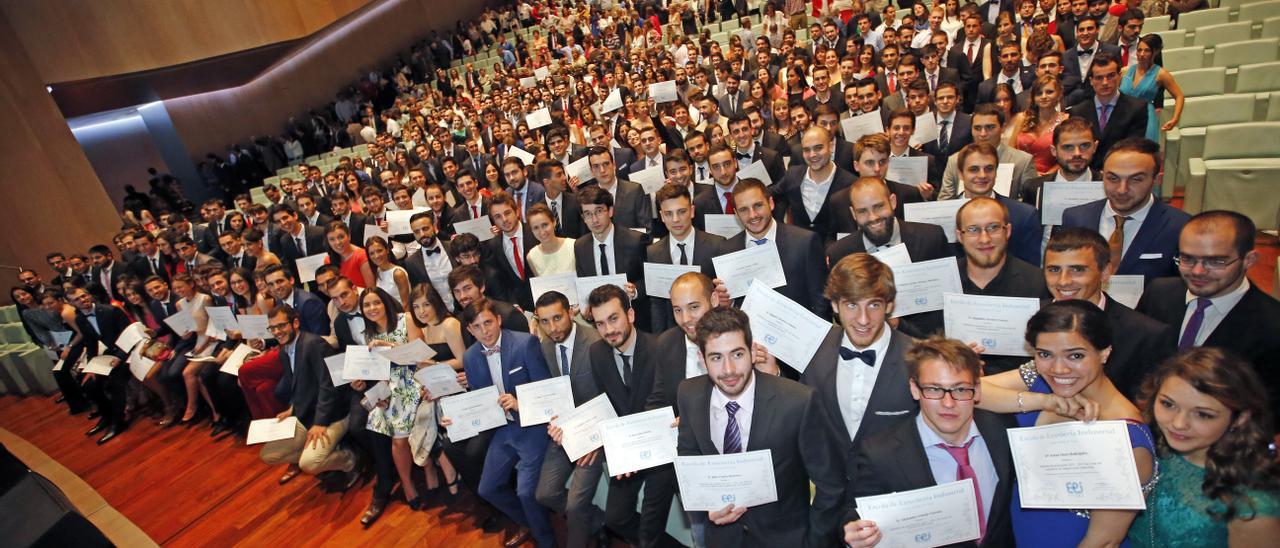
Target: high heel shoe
[450, 491]
[416, 503]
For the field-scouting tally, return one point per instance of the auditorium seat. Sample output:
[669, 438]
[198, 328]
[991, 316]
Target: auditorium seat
[1234, 54]
[1156, 24]
[1244, 141]
[1187, 139]
[1258, 78]
[1248, 186]
[1172, 38]
[1193, 20]
[1270, 27]
[1202, 81]
[1176, 59]
[1223, 33]
[1259, 11]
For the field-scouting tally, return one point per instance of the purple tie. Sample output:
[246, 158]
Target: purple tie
[732, 435]
[1188, 339]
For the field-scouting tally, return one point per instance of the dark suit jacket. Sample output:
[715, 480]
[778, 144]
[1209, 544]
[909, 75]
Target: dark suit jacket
[628, 255]
[894, 461]
[1140, 344]
[571, 225]
[987, 89]
[772, 161]
[668, 370]
[312, 312]
[925, 242]
[504, 282]
[315, 401]
[416, 267]
[288, 248]
[247, 262]
[355, 223]
[626, 398]
[801, 253]
[142, 266]
[119, 269]
[462, 211]
[1127, 119]
[1154, 246]
[111, 323]
[970, 71]
[631, 207]
[788, 193]
[787, 419]
[1078, 88]
[522, 362]
[1249, 329]
[206, 241]
[840, 203]
[1024, 243]
[705, 246]
[960, 135]
[580, 380]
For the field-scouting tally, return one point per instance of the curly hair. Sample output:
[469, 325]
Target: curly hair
[1241, 458]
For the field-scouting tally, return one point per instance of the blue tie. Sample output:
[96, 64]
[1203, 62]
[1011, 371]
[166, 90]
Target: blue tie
[761, 241]
[732, 437]
[564, 360]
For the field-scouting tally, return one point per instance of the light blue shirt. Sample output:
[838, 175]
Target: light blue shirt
[945, 468]
[290, 350]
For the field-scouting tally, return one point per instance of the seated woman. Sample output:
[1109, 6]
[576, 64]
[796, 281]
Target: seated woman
[193, 343]
[138, 305]
[430, 321]
[259, 374]
[351, 259]
[1219, 483]
[1071, 342]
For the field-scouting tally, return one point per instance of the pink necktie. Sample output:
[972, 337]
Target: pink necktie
[963, 472]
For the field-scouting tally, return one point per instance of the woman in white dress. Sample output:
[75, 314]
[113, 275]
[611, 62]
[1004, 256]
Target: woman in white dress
[553, 254]
[390, 277]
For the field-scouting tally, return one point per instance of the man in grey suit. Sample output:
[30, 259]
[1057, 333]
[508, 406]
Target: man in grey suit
[565, 349]
[781, 416]
[631, 207]
[988, 125]
[858, 371]
[731, 100]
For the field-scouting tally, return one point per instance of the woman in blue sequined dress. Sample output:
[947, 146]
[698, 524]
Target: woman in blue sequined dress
[1219, 483]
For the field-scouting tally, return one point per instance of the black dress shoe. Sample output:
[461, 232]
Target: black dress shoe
[60, 399]
[78, 410]
[113, 432]
[102, 425]
[219, 426]
[95, 414]
[373, 512]
[491, 524]
[517, 538]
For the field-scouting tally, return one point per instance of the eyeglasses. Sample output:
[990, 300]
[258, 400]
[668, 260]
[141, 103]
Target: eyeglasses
[937, 392]
[1209, 263]
[990, 229]
[277, 327]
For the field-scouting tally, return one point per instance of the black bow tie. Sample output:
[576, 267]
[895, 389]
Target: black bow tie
[742, 156]
[867, 356]
[433, 250]
[1086, 52]
[348, 316]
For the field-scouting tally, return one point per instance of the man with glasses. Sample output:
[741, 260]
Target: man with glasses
[1141, 230]
[1213, 303]
[948, 440]
[977, 164]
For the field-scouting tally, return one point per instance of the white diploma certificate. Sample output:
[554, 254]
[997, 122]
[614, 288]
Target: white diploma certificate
[398, 220]
[1004, 179]
[541, 73]
[524, 155]
[222, 318]
[528, 82]
[941, 213]
[480, 227]
[650, 179]
[334, 363]
[586, 284]
[409, 353]
[363, 364]
[755, 170]
[1125, 288]
[921, 285]
[236, 359]
[254, 326]
[374, 230]
[612, 102]
[863, 124]
[380, 390]
[581, 426]
[658, 277]
[131, 336]
[908, 170]
[473, 412]
[566, 283]
[791, 332]
[440, 380]
[140, 365]
[538, 118]
[1076, 465]
[709, 483]
[181, 322]
[997, 323]
[639, 441]
[894, 256]
[932, 516]
[265, 430]
[1056, 197]
[926, 130]
[725, 225]
[663, 92]
[760, 262]
[307, 266]
[580, 168]
[541, 400]
[61, 338]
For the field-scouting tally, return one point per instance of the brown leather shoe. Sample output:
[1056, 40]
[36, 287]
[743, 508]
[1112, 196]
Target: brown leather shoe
[517, 538]
[292, 472]
[373, 512]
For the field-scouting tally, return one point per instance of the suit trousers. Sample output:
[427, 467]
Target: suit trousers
[649, 527]
[109, 393]
[70, 387]
[582, 517]
[258, 378]
[520, 450]
[312, 460]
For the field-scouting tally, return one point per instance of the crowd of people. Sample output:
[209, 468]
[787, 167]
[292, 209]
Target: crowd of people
[755, 139]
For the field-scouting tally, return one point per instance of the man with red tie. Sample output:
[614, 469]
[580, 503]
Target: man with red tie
[504, 256]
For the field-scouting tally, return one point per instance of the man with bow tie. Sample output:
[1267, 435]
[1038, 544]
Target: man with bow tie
[859, 370]
[1077, 60]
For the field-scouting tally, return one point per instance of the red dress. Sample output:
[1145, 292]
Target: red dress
[350, 266]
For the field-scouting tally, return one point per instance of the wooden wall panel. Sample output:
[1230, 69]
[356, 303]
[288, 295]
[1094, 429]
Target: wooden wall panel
[70, 40]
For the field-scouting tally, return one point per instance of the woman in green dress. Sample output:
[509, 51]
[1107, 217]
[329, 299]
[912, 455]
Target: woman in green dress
[1220, 484]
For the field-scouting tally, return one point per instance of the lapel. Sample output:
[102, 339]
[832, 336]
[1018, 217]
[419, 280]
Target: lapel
[913, 464]
[700, 417]
[891, 378]
[761, 423]
[829, 350]
[1147, 232]
[992, 429]
[507, 352]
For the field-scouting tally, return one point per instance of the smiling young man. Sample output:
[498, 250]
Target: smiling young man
[871, 157]
[683, 245]
[505, 255]
[987, 127]
[872, 206]
[977, 163]
[799, 250]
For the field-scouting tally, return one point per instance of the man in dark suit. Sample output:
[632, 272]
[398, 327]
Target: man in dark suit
[944, 377]
[1141, 230]
[517, 359]
[1079, 58]
[311, 211]
[149, 260]
[204, 239]
[934, 73]
[232, 244]
[608, 248]
[1115, 116]
[623, 157]
[954, 127]
[872, 160]
[340, 204]
[467, 285]
[858, 371]
[683, 245]
[877, 229]
[101, 324]
[731, 100]
[828, 119]
[716, 198]
[631, 207]
[1077, 264]
[746, 151]
[566, 350]
[806, 190]
[622, 364]
[799, 250]
[1012, 72]
[562, 201]
[973, 49]
[785, 418]
[296, 240]
[1073, 144]
[476, 158]
[1213, 303]
[431, 263]
[678, 356]
[107, 271]
[505, 255]
[318, 405]
[650, 150]
[474, 204]
[312, 313]
[525, 191]
[189, 258]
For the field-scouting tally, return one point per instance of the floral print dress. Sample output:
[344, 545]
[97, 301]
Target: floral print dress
[397, 418]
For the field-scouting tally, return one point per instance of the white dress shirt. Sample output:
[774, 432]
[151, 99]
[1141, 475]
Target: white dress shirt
[814, 192]
[610, 252]
[1107, 223]
[692, 363]
[674, 245]
[720, 191]
[945, 468]
[510, 251]
[720, 417]
[438, 269]
[1213, 315]
[568, 350]
[895, 238]
[495, 365]
[769, 236]
[855, 380]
